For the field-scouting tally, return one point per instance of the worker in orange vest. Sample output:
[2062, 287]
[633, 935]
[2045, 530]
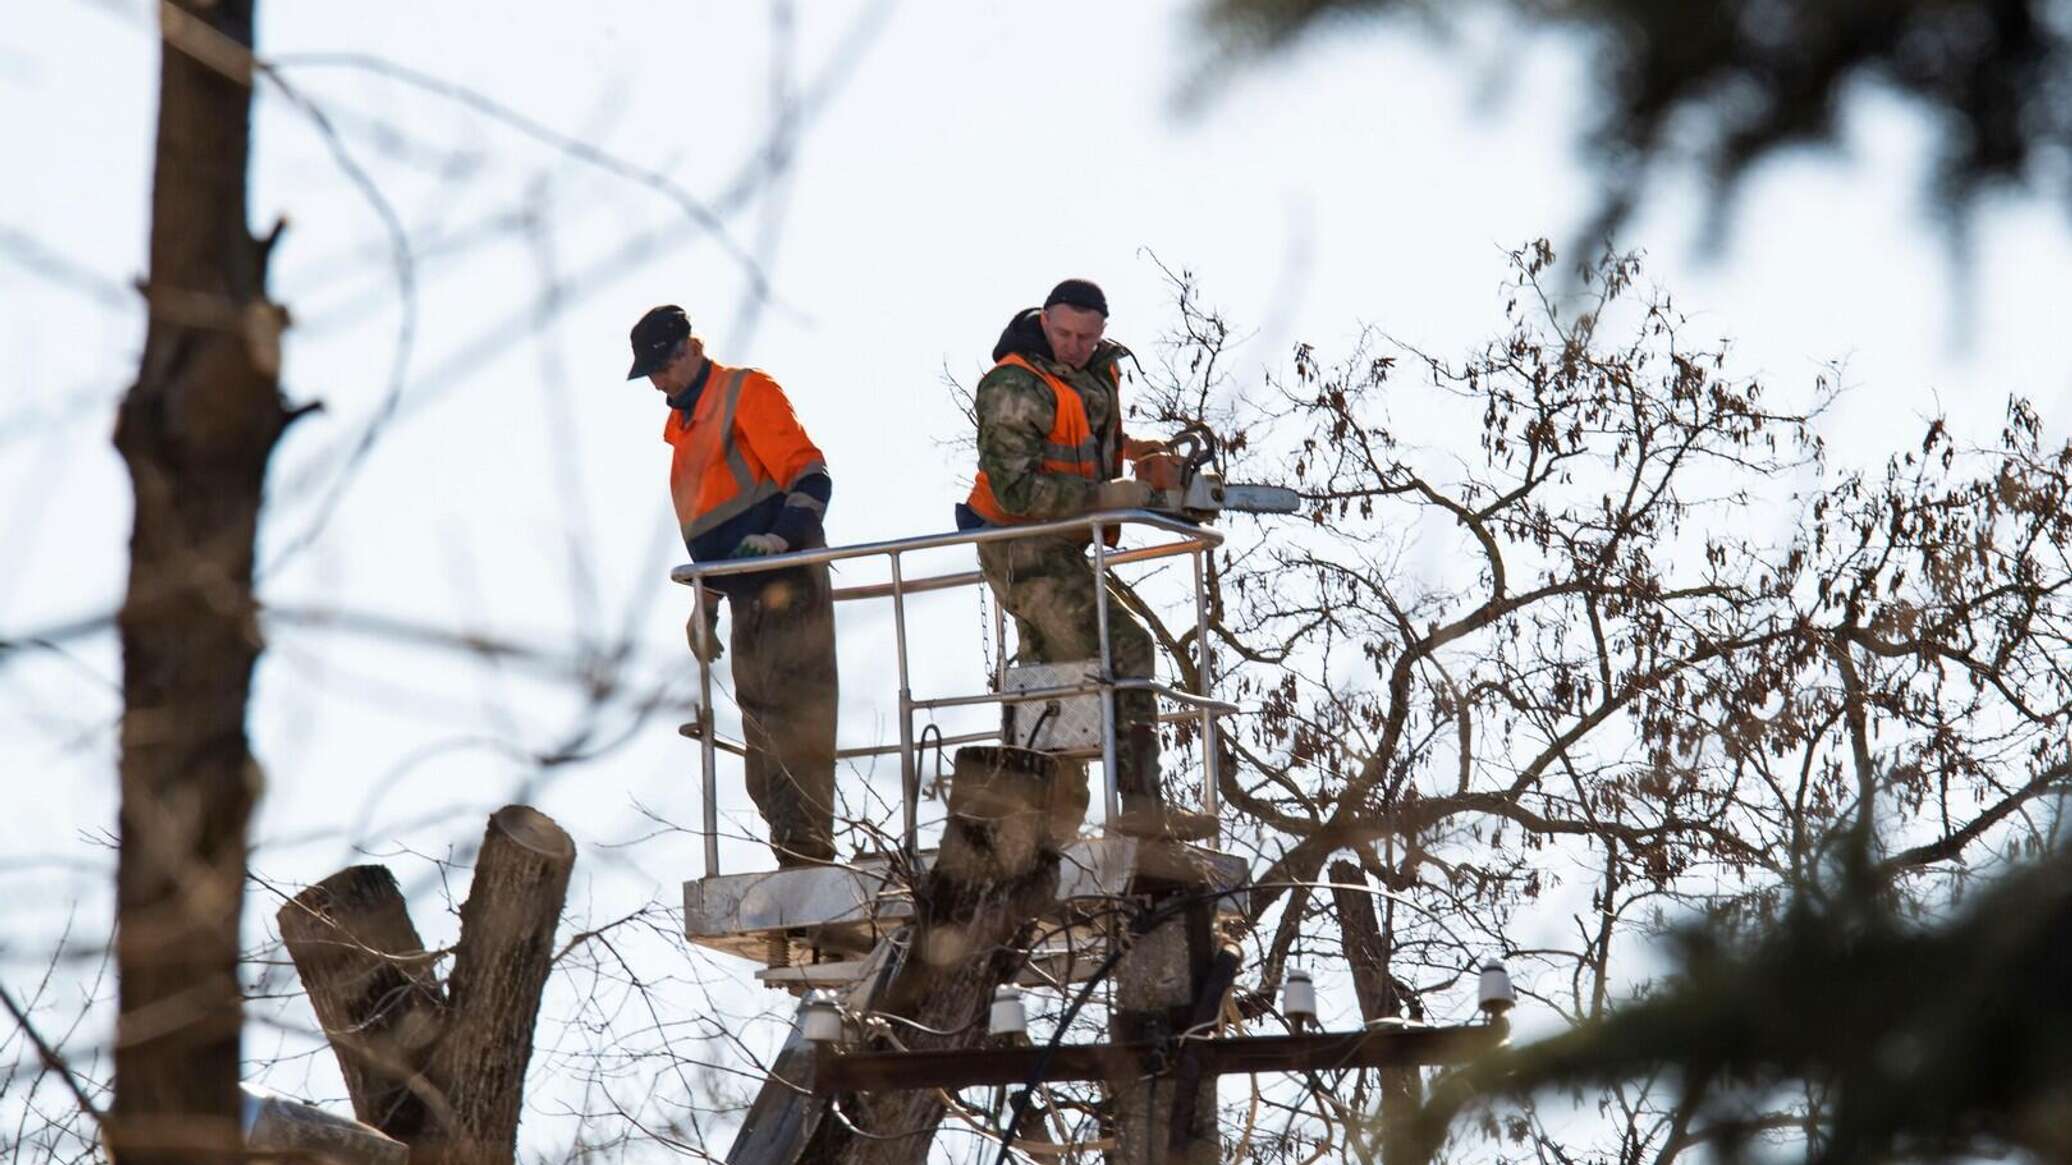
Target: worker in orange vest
[748, 481]
[1051, 445]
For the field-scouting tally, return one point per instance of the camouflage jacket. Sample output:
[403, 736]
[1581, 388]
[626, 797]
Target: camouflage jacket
[1016, 409]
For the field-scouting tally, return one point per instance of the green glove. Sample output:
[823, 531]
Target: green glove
[757, 545]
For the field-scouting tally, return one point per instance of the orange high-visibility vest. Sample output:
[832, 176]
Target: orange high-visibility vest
[741, 446]
[1069, 448]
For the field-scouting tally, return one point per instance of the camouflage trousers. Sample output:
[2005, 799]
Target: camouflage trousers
[783, 643]
[1047, 584]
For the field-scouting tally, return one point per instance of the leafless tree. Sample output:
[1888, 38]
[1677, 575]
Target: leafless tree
[1583, 628]
[196, 430]
[1582, 640]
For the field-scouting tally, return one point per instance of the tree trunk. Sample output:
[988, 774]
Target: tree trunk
[974, 911]
[373, 990]
[506, 951]
[443, 1070]
[196, 431]
[1381, 997]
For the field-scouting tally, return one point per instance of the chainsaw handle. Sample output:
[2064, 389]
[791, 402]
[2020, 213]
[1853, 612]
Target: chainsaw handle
[1195, 446]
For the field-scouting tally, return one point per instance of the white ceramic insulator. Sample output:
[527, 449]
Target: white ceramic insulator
[1299, 996]
[1496, 994]
[1009, 1017]
[820, 1020]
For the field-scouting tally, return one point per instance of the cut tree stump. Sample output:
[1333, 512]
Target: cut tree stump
[499, 968]
[440, 1067]
[373, 989]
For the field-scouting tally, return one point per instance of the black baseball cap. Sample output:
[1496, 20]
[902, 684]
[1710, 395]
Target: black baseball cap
[1079, 293]
[655, 339]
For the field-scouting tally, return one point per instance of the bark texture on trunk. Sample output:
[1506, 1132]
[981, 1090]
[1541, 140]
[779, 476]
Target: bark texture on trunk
[974, 913]
[196, 431]
[373, 989]
[506, 950]
[1164, 985]
[438, 1066]
[1368, 953]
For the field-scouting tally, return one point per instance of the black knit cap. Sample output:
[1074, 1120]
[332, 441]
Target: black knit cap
[1079, 293]
[655, 338]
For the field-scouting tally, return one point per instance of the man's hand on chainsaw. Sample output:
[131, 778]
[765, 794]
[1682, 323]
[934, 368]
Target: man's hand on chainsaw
[1182, 477]
[1172, 465]
[1159, 470]
[1130, 494]
[1137, 448]
[757, 545]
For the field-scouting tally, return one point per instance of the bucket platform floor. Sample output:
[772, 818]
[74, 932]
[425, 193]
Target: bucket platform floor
[830, 918]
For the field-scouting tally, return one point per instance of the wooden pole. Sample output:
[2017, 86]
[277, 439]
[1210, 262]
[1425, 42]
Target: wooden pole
[1160, 984]
[974, 911]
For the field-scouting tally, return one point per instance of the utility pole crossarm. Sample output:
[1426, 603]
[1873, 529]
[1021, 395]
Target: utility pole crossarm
[1321, 1052]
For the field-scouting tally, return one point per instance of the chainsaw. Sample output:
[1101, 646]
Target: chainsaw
[1201, 491]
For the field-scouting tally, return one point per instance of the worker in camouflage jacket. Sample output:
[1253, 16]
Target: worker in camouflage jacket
[1051, 445]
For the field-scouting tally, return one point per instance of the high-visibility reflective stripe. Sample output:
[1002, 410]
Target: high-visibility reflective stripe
[737, 462]
[733, 507]
[1087, 451]
[805, 471]
[748, 491]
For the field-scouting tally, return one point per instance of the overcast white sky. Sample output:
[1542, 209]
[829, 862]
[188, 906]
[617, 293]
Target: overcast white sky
[969, 157]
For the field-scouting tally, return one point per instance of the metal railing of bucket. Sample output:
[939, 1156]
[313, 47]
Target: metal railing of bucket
[1186, 538]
